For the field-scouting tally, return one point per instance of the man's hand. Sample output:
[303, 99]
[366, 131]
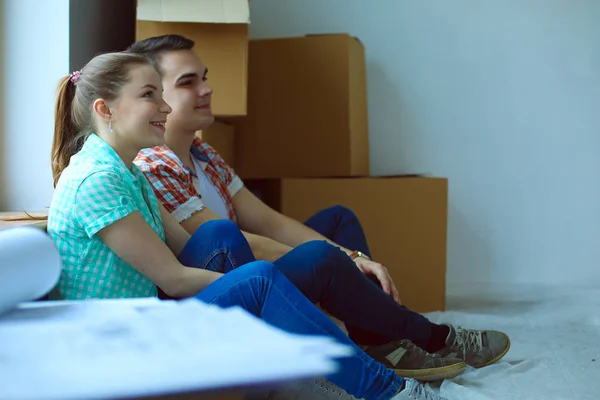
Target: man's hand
[373, 268]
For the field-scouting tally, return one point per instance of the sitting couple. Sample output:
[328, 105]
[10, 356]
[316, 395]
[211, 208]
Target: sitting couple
[141, 206]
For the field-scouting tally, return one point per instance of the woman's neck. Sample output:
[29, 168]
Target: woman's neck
[125, 152]
[127, 155]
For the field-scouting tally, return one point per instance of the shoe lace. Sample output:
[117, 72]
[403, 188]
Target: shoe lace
[468, 340]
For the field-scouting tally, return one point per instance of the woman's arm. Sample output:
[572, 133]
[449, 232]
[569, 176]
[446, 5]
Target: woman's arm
[132, 239]
[176, 235]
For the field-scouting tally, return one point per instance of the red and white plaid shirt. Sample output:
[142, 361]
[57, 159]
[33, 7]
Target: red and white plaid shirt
[173, 182]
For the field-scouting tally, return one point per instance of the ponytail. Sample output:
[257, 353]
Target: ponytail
[64, 144]
[103, 77]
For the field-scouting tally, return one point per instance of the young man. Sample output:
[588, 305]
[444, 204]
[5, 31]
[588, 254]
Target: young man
[196, 185]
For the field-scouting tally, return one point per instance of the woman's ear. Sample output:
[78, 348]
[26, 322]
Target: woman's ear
[102, 110]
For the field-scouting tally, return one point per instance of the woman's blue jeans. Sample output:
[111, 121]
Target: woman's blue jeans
[262, 289]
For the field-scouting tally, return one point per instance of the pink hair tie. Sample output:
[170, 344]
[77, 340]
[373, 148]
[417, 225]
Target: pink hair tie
[75, 76]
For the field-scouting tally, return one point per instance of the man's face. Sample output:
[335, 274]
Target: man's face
[186, 91]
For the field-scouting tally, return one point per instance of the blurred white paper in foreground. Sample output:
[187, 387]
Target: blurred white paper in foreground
[119, 348]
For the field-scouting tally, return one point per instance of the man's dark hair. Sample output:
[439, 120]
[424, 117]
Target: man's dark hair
[153, 47]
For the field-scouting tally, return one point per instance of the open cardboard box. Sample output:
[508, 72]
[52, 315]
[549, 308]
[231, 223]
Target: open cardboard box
[13, 219]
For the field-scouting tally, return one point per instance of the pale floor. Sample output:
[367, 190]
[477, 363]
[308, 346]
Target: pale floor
[555, 333]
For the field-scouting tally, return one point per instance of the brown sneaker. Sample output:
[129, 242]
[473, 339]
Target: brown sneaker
[410, 361]
[476, 348]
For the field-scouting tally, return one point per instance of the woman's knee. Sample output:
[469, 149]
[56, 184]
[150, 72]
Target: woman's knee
[219, 228]
[263, 269]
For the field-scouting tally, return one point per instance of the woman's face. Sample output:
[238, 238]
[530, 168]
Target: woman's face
[139, 114]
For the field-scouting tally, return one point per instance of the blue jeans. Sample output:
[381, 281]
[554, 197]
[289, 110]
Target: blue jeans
[340, 225]
[263, 290]
[323, 273]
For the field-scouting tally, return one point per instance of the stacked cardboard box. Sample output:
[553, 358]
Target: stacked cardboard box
[307, 109]
[304, 146]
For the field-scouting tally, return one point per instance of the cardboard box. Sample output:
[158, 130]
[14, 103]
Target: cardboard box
[404, 218]
[221, 137]
[307, 109]
[220, 30]
[14, 219]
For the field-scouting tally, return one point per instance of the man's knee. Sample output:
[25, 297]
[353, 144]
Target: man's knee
[317, 248]
[325, 254]
[342, 212]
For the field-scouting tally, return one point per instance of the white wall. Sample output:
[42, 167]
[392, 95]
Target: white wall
[503, 98]
[36, 54]
[2, 56]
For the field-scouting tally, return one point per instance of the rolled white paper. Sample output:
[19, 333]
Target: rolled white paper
[30, 265]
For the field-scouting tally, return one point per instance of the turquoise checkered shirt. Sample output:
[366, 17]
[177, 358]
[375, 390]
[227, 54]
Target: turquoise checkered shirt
[94, 191]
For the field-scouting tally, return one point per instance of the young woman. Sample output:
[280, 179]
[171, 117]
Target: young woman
[117, 241]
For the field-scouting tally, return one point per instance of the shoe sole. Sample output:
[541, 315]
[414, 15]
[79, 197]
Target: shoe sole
[433, 374]
[499, 357]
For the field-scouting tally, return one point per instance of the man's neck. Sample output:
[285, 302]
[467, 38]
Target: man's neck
[180, 143]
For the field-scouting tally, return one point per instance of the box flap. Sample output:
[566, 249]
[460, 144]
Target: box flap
[334, 34]
[372, 176]
[207, 11]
